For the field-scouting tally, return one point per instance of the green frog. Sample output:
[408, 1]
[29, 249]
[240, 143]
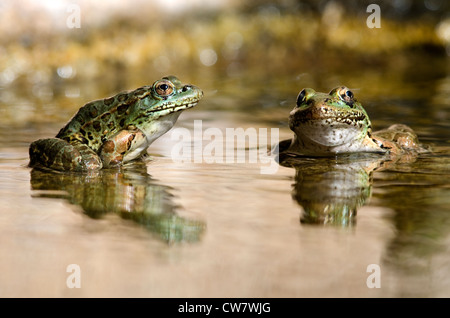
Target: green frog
[110, 132]
[334, 123]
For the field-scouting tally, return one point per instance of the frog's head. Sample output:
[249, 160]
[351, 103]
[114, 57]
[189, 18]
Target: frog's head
[168, 95]
[162, 104]
[331, 121]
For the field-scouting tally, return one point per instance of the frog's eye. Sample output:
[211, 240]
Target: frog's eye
[301, 97]
[164, 88]
[305, 96]
[346, 95]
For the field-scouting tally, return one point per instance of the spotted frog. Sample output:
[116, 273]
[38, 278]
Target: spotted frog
[329, 124]
[109, 132]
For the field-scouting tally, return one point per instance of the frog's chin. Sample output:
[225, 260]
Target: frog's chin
[329, 136]
[325, 143]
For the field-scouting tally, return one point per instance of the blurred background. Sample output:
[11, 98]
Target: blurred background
[251, 58]
[246, 55]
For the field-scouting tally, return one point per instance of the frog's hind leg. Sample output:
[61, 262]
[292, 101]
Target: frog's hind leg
[58, 154]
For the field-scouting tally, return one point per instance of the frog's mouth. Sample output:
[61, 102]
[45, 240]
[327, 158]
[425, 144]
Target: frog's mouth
[329, 131]
[331, 115]
[168, 107]
[171, 108]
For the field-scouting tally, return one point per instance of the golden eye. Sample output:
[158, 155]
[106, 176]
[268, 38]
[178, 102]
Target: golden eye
[164, 88]
[346, 95]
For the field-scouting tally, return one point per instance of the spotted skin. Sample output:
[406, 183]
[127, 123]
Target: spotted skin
[60, 155]
[112, 131]
[113, 150]
[329, 124]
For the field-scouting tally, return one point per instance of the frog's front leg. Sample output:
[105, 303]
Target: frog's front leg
[58, 154]
[124, 146]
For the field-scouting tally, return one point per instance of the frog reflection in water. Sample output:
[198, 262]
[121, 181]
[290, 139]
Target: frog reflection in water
[129, 192]
[331, 190]
[335, 152]
[109, 132]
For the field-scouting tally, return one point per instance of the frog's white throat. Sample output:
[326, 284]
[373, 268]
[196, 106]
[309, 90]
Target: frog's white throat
[152, 131]
[159, 127]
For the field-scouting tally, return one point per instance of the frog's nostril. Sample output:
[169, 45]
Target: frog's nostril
[186, 88]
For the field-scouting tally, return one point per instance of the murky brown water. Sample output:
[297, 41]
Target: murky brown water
[167, 229]
[211, 228]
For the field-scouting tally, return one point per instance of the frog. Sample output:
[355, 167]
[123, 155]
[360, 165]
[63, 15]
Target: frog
[111, 132]
[336, 123]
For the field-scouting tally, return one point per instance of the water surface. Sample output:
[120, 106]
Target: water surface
[167, 229]
[313, 227]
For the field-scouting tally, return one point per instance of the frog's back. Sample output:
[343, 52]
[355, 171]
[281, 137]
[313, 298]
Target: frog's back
[400, 139]
[97, 120]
